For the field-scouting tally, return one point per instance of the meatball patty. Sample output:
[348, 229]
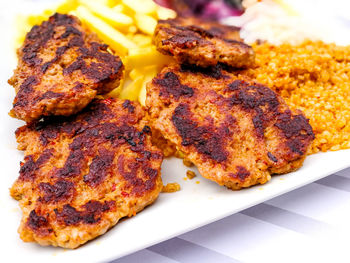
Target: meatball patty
[202, 43]
[81, 174]
[237, 132]
[60, 70]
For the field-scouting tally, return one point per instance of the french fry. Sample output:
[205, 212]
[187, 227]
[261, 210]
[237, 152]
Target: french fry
[131, 91]
[115, 93]
[118, 20]
[118, 8]
[132, 29]
[165, 13]
[142, 57]
[141, 40]
[149, 73]
[112, 3]
[67, 6]
[38, 19]
[147, 7]
[23, 27]
[143, 92]
[64, 8]
[118, 42]
[136, 72]
[145, 23]
[108, 3]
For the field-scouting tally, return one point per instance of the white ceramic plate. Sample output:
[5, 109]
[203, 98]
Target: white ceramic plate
[198, 203]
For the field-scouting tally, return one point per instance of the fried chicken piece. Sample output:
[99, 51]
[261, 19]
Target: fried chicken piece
[83, 173]
[60, 70]
[237, 132]
[202, 43]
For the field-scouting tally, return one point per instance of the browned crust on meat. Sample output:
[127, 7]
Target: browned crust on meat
[60, 70]
[237, 132]
[81, 175]
[202, 43]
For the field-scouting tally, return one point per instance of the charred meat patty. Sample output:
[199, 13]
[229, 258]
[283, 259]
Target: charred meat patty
[60, 70]
[83, 173]
[202, 43]
[237, 132]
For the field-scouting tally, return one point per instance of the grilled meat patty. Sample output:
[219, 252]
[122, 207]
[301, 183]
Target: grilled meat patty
[237, 132]
[83, 173]
[202, 43]
[60, 70]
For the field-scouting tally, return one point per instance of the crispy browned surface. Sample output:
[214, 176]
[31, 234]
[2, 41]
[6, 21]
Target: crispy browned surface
[61, 68]
[236, 132]
[81, 175]
[202, 43]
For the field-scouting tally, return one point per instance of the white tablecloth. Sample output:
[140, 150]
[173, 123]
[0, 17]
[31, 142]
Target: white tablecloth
[310, 224]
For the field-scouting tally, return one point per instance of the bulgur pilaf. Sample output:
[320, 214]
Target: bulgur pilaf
[315, 78]
[171, 188]
[187, 162]
[190, 174]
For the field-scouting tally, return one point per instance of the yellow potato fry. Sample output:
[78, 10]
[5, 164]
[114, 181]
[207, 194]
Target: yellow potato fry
[149, 70]
[132, 29]
[115, 39]
[145, 23]
[150, 73]
[165, 13]
[67, 6]
[134, 73]
[64, 8]
[118, 8]
[143, 57]
[147, 7]
[35, 19]
[48, 12]
[115, 93]
[142, 40]
[113, 18]
[143, 93]
[143, 71]
[101, 2]
[23, 27]
[131, 91]
[112, 3]
[74, 13]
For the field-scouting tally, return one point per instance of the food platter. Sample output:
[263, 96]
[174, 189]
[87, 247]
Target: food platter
[172, 214]
[199, 201]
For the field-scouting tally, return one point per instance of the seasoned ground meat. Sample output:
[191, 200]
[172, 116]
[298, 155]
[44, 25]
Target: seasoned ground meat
[81, 174]
[202, 43]
[237, 132]
[61, 68]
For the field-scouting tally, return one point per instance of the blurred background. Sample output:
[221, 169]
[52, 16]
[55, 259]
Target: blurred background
[275, 20]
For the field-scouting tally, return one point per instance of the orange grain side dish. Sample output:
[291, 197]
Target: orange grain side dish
[315, 78]
[171, 188]
[190, 174]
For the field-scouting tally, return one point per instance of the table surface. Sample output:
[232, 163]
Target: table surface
[310, 224]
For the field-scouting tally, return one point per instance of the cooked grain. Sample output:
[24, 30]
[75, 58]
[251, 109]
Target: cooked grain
[315, 78]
